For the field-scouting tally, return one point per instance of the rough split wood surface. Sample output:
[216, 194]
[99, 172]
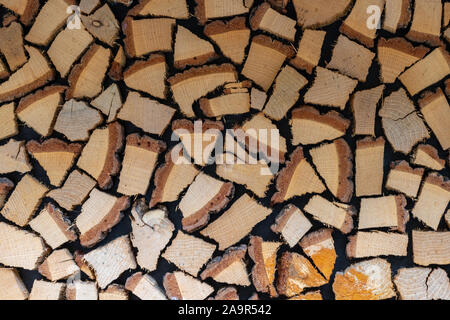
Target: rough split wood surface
[224, 149]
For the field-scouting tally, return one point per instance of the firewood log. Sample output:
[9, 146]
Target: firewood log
[180, 286]
[431, 247]
[309, 50]
[404, 179]
[369, 163]
[315, 14]
[14, 288]
[364, 106]
[427, 156]
[45, 290]
[58, 265]
[14, 157]
[291, 224]
[144, 287]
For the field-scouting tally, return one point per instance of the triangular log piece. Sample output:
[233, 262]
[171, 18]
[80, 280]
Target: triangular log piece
[58, 265]
[144, 287]
[351, 59]
[401, 123]
[431, 69]
[269, 20]
[114, 292]
[11, 45]
[13, 157]
[333, 214]
[53, 226]
[81, 290]
[227, 293]
[383, 212]
[111, 260]
[33, 74]
[99, 155]
[189, 253]
[156, 33]
[427, 156]
[295, 274]
[86, 78]
[6, 186]
[309, 296]
[357, 26]
[109, 102]
[76, 119]
[74, 191]
[369, 164]
[296, 179]
[309, 50]
[258, 99]
[213, 9]
[334, 162]
[87, 6]
[426, 22]
[431, 247]
[397, 15]
[232, 225]
[24, 201]
[330, 89]
[198, 138]
[177, 9]
[366, 280]
[82, 264]
[67, 48]
[230, 268]
[39, 110]
[308, 126]
[436, 111]
[171, 178]
[9, 123]
[191, 50]
[319, 246]
[55, 156]
[291, 224]
[141, 155]
[150, 226]
[232, 37]
[191, 85]
[180, 286]
[411, 283]
[205, 196]
[51, 18]
[20, 248]
[375, 244]
[26, 9]
[438, 285]
[364, 106]
[147, 114]
[395, 55]
[265, 59]
[264, 254]
[117, 65]
[433, 200]
[14, 288]
[404, 179]
[319, 13]
[98, 215]
[148, 76]
[261, 135]
[285, 93]
[45, 290]
[103, 25]
[227, 104]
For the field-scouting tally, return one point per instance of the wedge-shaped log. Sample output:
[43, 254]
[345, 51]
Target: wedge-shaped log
[427, 156]
[227, 104]
[109, 102]
[144, 287]
[11, 45]
[374, 244]
[309, 50]
[383, 212]
[58, 265]
[369, 163]
[267, 19]
[364, 106]
[103, 25]
[319, 13]
[14, 288]
[191, 50]
[180, 286]
[426, 22]
[14, 157]
[404, 179]
[397, 15]
[291, 224]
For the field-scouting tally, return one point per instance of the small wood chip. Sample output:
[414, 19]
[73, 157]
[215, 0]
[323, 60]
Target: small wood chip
[212, 9]
[53, 227]
[431, 247]
[364, 106]
[330, 89]
[267, 19]
[426, 22]
[58, 265]
[292, 224]
[411, 283]
[264, 254]
[111, 260]
[144, 287]
[99, 214]
[109, 102]
[232, 226]
[388, 211]
[366, 280]
[113, 292]
[190, 50]
[180, 286]
[427, 156]
[309, 50]
[11, 45]
[14, 288]
[44, 290]
[433, 200]
[81, 290]
[336, 215]
[369, 163]
[230, 268]
[9, 126]
[103, 25]
[374, 244]
[308, 126]
[397, 15]
[141, 155]
[177, 9]
[403, 178]
[189, 253]
[14, 157]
